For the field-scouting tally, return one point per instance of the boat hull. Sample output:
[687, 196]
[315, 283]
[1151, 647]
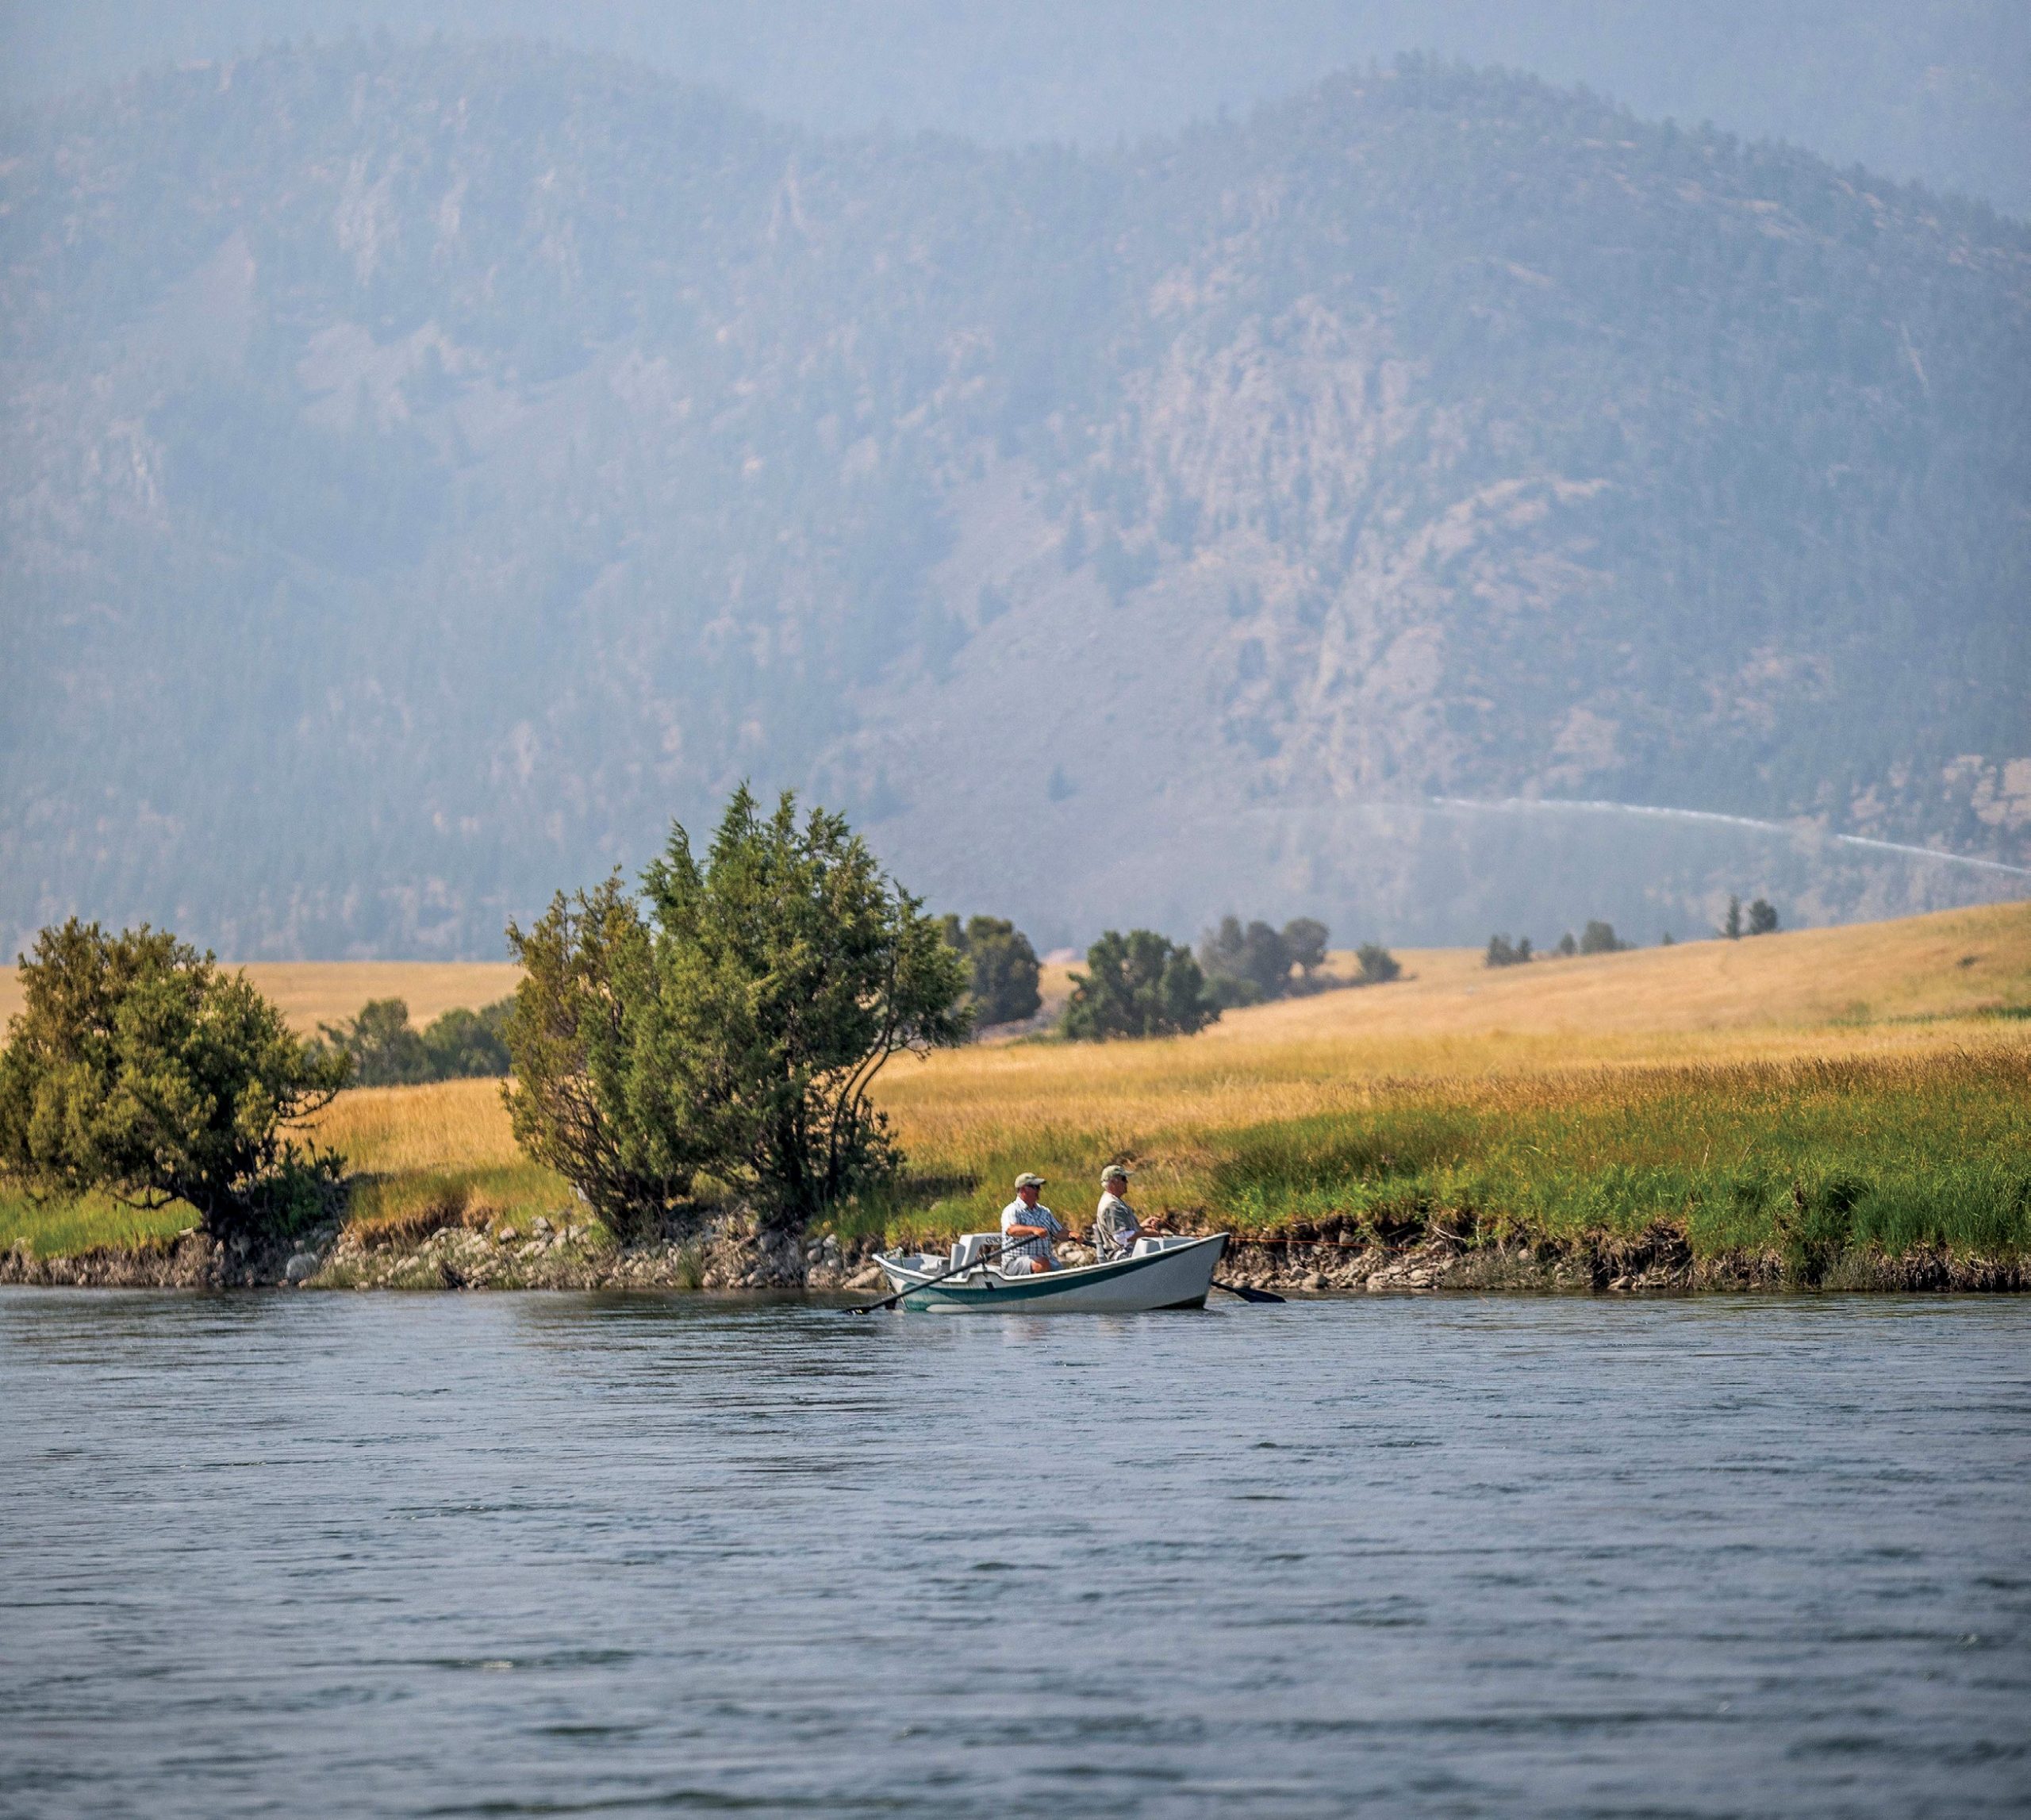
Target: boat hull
[1178, 1277]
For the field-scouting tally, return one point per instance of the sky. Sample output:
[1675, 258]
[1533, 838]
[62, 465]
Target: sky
[1938, 90]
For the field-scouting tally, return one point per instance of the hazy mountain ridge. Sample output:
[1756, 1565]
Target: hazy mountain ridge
[427, 470]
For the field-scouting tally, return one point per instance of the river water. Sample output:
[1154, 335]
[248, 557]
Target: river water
[494, 1555]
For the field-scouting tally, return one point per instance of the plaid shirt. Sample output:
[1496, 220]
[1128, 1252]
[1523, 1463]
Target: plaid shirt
[1016, 1214]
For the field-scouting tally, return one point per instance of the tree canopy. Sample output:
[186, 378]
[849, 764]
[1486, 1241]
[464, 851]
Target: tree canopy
[138, 1067]
[732, 1022]
[1002, 988]
[1139, 984]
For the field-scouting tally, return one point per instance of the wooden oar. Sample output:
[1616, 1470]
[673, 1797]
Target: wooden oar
[986, 1251]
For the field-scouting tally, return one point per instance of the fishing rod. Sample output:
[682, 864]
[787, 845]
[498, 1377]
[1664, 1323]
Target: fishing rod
[986, 1251]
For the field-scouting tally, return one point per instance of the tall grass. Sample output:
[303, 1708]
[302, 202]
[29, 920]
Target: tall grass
[1896, 1152]
[1717, 1087]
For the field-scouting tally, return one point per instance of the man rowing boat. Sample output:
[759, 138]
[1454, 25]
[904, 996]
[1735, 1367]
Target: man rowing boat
[1028, 1230]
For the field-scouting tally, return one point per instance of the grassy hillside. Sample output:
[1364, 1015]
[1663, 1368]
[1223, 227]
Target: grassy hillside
[1874, 1082]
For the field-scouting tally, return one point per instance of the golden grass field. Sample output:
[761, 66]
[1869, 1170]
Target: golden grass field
[1692, 1072]
[312, 993]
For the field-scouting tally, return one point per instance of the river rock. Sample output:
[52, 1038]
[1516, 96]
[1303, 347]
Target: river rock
[302, 1266]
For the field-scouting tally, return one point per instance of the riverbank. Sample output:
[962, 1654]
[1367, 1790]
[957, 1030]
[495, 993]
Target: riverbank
[1673, 1120]
[731, 1257]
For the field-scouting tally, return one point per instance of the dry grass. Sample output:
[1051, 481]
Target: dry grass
[1705, 1082]
[312, 993]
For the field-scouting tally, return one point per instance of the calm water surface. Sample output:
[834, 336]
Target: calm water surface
[506, 1554]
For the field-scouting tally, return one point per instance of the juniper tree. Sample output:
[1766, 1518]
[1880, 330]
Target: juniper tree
[733, 1022]
[1139, 984]
[139, 1068]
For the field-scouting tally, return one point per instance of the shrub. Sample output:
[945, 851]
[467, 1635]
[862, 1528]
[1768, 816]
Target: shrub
[1248, 966]
[1139, 984]
[138, 1068]
[1003, 966]
[1599, 937]
[736, 1028]
[388, 1051]
[1378, 966]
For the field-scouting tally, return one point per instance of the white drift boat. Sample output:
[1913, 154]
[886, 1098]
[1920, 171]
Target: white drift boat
[1158, 1273]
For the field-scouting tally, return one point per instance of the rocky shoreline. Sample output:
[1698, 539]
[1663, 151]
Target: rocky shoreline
[733, 1252]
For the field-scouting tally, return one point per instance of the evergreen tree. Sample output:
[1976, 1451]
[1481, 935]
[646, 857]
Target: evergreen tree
[138, 1068]
[1732, 926]
[1003, 968]
[1139, 984]
[1378, 966]
[732, 1022]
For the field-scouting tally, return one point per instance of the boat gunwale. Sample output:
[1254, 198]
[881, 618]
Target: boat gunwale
[1040, 1283]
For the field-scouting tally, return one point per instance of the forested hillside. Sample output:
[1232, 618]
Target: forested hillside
[427, 470]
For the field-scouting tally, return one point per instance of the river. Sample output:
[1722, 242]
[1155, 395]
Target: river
[494, 1555]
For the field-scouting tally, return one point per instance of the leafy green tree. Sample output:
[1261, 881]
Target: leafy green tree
[464, 1044]
[1139, 984]
[1002, 967]
[1599, 937]
[1245, 966]
[588, 978]
[1503, 953]
[1378, 966]
[1762, 918]
[385, 1048]
[1304, 942]
[733, 1022]
[789, 971]
[138, 1068]
[1566, 946]
[387, 1051]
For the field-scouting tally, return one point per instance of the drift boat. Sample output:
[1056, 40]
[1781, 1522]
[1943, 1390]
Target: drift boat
[1158, 1273]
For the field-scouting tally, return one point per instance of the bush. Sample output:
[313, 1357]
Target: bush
[1600, 939]
[1139, 984]
[1252, 965]
[735, 1029]
[388, 1051]
[1378, 966]
[1003, 968]
[138, 1068]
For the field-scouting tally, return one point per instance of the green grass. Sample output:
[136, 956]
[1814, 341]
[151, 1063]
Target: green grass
[1803, 1159]
[58, 1227]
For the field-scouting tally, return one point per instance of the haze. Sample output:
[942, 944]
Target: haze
[1938, 91]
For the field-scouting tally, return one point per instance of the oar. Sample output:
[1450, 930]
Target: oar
[986, 1251]
[1248, 1295]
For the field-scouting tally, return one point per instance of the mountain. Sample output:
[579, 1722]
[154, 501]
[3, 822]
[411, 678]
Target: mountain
[428, 469]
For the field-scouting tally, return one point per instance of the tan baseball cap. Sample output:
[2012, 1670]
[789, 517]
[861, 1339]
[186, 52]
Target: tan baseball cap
[1026, 1179]
[1114, 1170]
